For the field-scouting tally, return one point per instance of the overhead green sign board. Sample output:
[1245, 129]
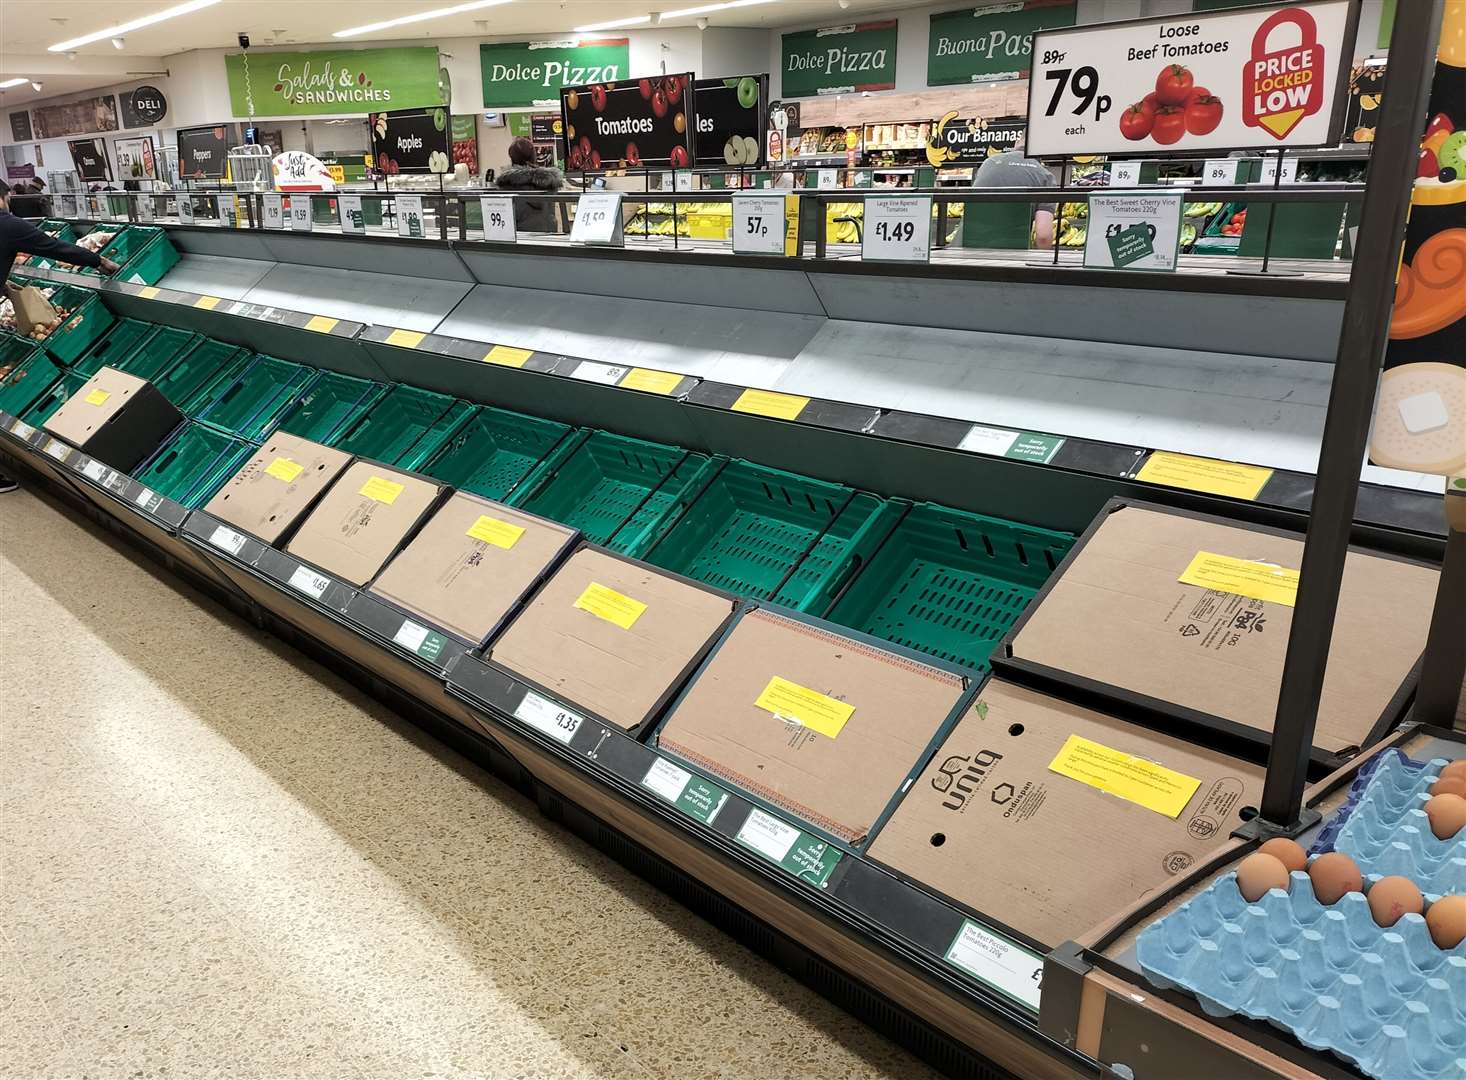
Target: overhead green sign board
[518, 74]
[266, 84]
[839, 59]
[990, 43]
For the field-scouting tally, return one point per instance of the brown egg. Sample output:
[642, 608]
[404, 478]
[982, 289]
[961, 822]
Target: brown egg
[1333, 875]
[1455, 768]
[1447, 814]
[1258, 873]
[1392, 897]
[1286, 852]
[1446, 921]
[1450, 785]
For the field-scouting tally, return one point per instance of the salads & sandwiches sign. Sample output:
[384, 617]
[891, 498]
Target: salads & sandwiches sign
[338, 81]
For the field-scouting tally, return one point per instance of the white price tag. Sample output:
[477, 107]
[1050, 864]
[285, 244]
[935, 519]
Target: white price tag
[987, 440]
[590, 371]
[1135, 231]
[758, 225]
[410, 636]
[227, 539]
[1270, 170]
[498, 211]
[410, 220]
[897, 228]
[146, 209]
[1000, 963]
[95, 470]
[666, 779]
[273, 210]
[545, 716]
[767, 835]
[21, 429]
[1125, 173]
[307, 581]
[827, 178]
[143, 497]
[225, 206]
[1220, 172]
[300, 213]
[353, 221]
[597, 218]
[185, 208]
[57, 450]
[681, 179]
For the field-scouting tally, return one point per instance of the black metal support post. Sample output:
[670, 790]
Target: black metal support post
[1362, 340]
[1443, 667]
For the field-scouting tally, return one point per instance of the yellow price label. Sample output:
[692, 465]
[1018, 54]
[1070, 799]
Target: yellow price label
[1242, 577]
[286, 470]
[506, 356]
[321, 324]
[652, 382]
[408, 339]
[769, 403]
[1125, 776]
[610, 605]
[208, 303]
[381, 490]
[1204, 474]
[493, 531]
[150, 292]
[337, 173]
[818, 712]
[97, 397]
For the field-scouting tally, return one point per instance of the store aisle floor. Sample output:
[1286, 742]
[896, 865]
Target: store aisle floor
[219, 859]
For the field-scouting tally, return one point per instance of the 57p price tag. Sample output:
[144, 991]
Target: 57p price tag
[897, 229]
[758, 225]
[498, 211]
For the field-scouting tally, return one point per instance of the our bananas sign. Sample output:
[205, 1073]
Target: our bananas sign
[967, 142]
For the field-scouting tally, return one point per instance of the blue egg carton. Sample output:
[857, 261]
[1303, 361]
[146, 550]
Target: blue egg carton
[1387, 1000]
[1324, 841]
[1388, 832]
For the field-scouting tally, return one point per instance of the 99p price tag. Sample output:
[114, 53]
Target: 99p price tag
[758, 225]
[498, 211]
[897, 229]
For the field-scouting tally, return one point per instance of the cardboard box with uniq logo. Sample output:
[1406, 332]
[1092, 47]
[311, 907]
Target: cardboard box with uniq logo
[1049, 817]
[612, 636]
[1183, 619]
[472, 565]
[363, 520]
[812, 721]
[116, 418]
[277, 486]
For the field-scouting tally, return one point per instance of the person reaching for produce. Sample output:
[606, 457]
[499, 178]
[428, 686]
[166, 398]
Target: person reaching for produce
[17, 235]
[530, 215]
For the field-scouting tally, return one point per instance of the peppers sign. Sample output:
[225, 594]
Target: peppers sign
[518, 74]
[840, 59]
[1248, 79]
[333, 81]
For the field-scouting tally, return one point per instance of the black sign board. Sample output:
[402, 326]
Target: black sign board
[955, 141]
[629, 123]
[411, 141]
[730, 120]
[544, 127]
[203, 152]
[90, 158]
[1366, 90]
[20, 126]
[142, 106]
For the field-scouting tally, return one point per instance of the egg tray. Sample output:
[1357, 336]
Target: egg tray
[1388, 1000]
[1388, 832]
[1329, 833]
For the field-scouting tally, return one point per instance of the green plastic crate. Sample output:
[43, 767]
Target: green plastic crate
[201, 373]
[144, 253]
[191, 466]
[616, 490]
[114, 347]
[493, 451]
[14, 349]
[61, 230]
[436, 436]
[88, 321]
[772, 535]
[158, 352]
[331, 406]
[69, 383]
[28, 378]
[950, 583]
[391, 431]
[252, 405]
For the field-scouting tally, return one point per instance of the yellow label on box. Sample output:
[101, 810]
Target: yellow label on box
[321, 324]
[505, 356]
[286, 470]
[149, 293]
[408, 339]
[610, 605]
[653, 382]
[1242, 577]
[97, 397]
[496, 532]
[818, 712]
[1204, 474]
[768, 403]
[1125, 776]
[382, 490]
[208, 303]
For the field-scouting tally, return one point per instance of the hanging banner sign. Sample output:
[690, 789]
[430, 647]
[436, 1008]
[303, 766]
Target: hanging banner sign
[969, 142]
[203, 152]
[1254, 78]
[90, 158]
[629, 124]
[333, 81]
[520, 74]
[989, 43]
[412, 141]
[839, 59]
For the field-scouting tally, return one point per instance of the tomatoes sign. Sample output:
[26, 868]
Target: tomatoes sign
[1266, 77]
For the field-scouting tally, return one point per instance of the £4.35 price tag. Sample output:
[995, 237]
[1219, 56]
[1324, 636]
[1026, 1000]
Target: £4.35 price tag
[498, 211]
[545, 716]
[897, 228]
[758, 225]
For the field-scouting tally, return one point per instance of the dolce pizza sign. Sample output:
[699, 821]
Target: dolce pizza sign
[1261, 78]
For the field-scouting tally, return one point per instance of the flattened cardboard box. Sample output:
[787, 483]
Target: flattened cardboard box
[277, 486]
[1116, 614]
[471, 565]
[992, 825]
[362, 521]
[116, 418]
[611, 635]
[841, 782]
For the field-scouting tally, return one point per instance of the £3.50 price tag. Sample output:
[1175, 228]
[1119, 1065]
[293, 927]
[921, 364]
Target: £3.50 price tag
[758, 225]
[498, 211]
[897, 228]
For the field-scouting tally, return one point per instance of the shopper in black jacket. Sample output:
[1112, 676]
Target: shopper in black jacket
[530, 215]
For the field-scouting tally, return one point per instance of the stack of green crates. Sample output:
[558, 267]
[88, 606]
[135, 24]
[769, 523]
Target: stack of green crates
[87, 319]
[493, 451]
[143, 252]
[29, 373]
[252, 405]
[405, 428]
[201, 374]
[331, 406]
[61, 230]
[62, 389]
[194, 464]
[114, 347]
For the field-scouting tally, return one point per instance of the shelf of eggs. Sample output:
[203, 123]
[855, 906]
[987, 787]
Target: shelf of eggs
[1359, 947]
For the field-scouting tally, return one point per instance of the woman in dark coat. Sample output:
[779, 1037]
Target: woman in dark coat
[523, 175]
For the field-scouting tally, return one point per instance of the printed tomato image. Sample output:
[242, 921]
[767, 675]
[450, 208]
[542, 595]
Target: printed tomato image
[659, 103]
[678, 159]
[674, 89]
[1151, 102]
[1170, 125]
[1136, 122]
[1173, 85]
[633, 155]
[645, 86]
[1203, 114]
[1197, 92]
[598, 98]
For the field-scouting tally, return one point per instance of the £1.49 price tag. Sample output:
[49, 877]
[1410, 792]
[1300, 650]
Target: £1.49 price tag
[898, 228]
[498, 211]
[758, 225]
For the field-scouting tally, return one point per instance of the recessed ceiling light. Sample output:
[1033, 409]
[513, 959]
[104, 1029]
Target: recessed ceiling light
[8, 83]
[135, 24]
[435, 13]
[118, 43]
[614, 24]
[704, 9]
[35, 86]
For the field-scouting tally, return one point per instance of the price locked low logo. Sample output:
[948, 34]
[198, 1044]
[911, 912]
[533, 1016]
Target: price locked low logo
[1281, 88]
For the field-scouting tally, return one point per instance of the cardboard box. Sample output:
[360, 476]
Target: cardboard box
[1117, 622]
[992, 824]
[472, 565]
[116, 418]
[362, 521]
[612, 636]
[819, 724]
[277, 486]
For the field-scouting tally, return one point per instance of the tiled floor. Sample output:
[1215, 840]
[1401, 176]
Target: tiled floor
[220, 860]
